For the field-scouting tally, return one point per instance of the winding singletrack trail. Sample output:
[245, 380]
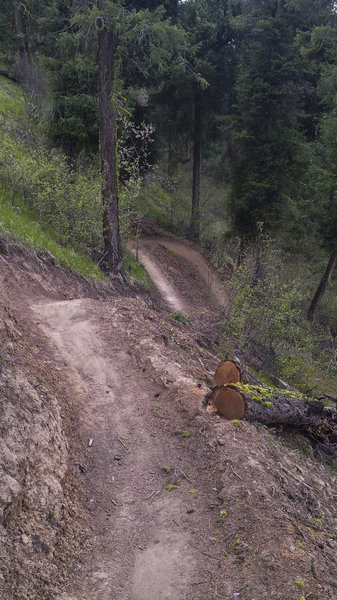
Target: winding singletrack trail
[162, 500]
[148, 255]
[144, 540]
[146, 544]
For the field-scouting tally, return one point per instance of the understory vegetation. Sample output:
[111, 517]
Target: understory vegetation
[224, 115]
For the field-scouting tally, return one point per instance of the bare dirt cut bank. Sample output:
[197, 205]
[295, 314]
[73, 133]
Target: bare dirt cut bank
[134, 491]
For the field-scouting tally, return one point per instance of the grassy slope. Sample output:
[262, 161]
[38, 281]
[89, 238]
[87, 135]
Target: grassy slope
[17, 222]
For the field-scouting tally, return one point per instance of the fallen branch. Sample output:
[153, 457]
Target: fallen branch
[294, 476]
[150, 496]
[296, 527]
[184, 474]
[280, 383]
[121, 441]
[209, 555]
[235, 473]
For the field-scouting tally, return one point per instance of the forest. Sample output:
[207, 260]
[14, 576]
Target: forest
[218, 118]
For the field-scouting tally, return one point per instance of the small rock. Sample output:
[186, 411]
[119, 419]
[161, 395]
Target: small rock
[190, 511]
[25, 539]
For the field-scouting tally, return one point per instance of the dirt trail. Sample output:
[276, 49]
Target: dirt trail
[208, 277]
[142, 549]
[174, 503]
[170, 295]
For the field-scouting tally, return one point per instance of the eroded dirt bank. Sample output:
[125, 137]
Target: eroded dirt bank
[158, 499]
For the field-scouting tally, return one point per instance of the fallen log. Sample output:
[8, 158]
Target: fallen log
[287, 408]
[272, 406]
[280, 408]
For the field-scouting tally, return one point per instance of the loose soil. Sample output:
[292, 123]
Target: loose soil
[161, 499]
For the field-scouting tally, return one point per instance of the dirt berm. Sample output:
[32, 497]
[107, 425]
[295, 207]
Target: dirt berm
[116, 484]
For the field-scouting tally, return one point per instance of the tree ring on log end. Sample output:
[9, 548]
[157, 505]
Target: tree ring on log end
[227, 372]
[229, 402]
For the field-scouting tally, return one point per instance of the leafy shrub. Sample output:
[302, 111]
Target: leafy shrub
[180, 317]
[265, 315]
[67, 200]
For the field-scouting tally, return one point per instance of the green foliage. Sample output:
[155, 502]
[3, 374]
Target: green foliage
[180, 317]
[134, 270]
[168, 200]
[65, 199]
[266, 318]
[156, 203]
[265, 313]
[38, 186]
[11, 99]
[171, 487]
[265, 124]
[19, 224]
[73, 120]
[6, 35]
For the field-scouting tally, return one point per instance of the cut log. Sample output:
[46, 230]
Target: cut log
[229, 402]
[286, 409]
[271, 406]
[227, 372]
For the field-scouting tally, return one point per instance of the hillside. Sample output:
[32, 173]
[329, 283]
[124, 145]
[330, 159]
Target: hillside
[116, 481]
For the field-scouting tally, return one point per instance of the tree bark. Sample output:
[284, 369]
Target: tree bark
[283, 409]
[107, 67]
[195, 213]
[322, 286]
[24, 58]
[172, 162]
[19, 28]
[274, 406]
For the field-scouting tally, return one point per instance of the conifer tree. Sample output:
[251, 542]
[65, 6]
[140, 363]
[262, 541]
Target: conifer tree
[209, 80]
[120, 33]
[270, 91]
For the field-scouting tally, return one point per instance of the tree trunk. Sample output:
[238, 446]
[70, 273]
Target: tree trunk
[107, 67]
[195, 213]
[23, 62]
[283, 408]
[322, 286]
[172, 162]
[19, 28]
[272, 406]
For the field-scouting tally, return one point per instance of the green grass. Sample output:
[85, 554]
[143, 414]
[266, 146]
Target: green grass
[18, 224]
[155, 212]
[135, 270]
[11, 99]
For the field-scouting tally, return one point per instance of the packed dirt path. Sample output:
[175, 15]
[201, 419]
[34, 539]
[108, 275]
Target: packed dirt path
[170, 295]
[154, 262]
[143, 548]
